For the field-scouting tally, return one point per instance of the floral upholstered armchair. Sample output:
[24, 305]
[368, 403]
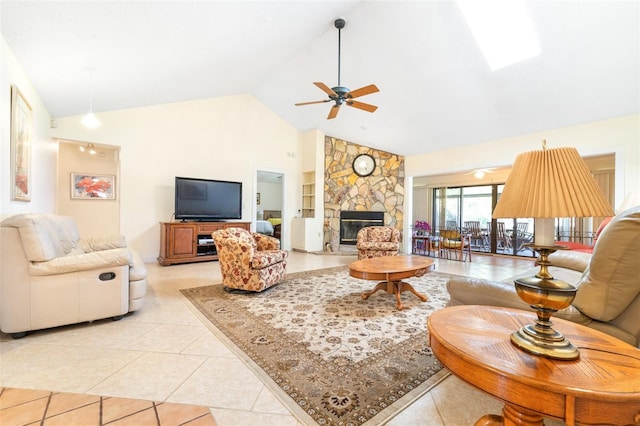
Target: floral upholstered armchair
[377, 241]
[249, 261]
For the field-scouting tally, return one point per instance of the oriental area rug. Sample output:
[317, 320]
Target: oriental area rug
[331, 357]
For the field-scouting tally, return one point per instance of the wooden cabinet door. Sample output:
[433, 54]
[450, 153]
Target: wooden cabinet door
[182, 240]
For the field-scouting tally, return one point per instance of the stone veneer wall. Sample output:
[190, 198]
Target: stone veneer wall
[344, 190]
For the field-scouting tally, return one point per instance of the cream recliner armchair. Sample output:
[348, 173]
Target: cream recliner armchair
[51, 277]
[608, 282]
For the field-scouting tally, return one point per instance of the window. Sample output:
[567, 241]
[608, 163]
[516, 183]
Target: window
[469, 208]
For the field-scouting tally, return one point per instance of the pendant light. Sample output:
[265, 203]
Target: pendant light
[90, 120]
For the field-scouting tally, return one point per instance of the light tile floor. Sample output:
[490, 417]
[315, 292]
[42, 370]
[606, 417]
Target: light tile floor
[164, 353]
[20, 407]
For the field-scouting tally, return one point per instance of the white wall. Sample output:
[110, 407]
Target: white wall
[619, 136]
[221, 138]
[270, 196]
[43, 148]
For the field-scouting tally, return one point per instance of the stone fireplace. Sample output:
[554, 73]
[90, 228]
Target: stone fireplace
[344, 191]
[352, 221]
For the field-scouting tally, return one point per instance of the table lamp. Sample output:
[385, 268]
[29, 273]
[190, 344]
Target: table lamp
[545, 185]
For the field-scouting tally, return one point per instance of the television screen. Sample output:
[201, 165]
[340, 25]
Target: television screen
[206, 199]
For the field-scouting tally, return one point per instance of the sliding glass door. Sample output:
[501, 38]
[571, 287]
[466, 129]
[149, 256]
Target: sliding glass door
[468, 209]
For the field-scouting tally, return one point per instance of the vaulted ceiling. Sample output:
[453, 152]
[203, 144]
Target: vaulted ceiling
[436, 89]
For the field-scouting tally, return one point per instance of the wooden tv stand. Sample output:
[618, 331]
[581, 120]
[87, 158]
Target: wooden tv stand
[185, 242]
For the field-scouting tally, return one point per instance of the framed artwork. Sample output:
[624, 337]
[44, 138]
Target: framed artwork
[93, 187]
[258, 198]
[21, 124]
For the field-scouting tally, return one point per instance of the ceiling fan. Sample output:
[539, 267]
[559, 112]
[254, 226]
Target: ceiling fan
[342, 95]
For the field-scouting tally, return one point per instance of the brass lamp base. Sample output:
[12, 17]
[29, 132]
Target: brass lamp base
[546, 296]
[530, 341]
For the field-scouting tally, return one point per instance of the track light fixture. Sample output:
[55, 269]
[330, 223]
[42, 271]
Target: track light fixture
[90, 148]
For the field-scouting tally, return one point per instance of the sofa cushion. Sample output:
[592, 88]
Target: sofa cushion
[67, 233]
[102, 243]
[576, 260]
[40, 235]
[611, 282]
[81, 262]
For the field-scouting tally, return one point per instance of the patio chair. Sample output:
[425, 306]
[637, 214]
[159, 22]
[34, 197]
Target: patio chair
[523, 236]
[503, 240]
[472, 228]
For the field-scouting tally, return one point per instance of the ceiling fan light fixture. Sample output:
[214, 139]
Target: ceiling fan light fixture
[343, 95]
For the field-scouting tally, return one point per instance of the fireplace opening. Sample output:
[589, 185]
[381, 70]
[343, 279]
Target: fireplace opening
[352, 221]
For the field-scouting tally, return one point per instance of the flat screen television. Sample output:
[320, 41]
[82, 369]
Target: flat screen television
[207, 199]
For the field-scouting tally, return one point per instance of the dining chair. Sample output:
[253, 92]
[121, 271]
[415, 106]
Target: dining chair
[452, 241]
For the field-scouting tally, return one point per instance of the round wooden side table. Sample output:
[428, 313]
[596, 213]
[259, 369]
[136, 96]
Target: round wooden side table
[600, 387]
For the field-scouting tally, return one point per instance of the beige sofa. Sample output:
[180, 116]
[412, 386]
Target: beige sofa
[51, 277]
[608, 281]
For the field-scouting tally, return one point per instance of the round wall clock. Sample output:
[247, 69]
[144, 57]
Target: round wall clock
[364, 165]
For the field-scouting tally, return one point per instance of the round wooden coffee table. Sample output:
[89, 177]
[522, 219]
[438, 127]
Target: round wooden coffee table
[391, 270]
[600, 387]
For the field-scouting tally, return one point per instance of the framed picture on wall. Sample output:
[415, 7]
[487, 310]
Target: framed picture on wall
[21, 125]
[258, 198]
[93, 187]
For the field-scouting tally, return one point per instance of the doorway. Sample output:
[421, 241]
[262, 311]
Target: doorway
[269, 204]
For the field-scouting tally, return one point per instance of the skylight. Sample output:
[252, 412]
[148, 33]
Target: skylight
[502, 29]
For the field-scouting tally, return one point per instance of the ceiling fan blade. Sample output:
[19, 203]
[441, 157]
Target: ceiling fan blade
[326, 89]
[333, 112]
[362, 91]
[362, 105]
[313, 102]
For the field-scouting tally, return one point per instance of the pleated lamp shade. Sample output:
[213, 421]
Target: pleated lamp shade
[551, 183]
